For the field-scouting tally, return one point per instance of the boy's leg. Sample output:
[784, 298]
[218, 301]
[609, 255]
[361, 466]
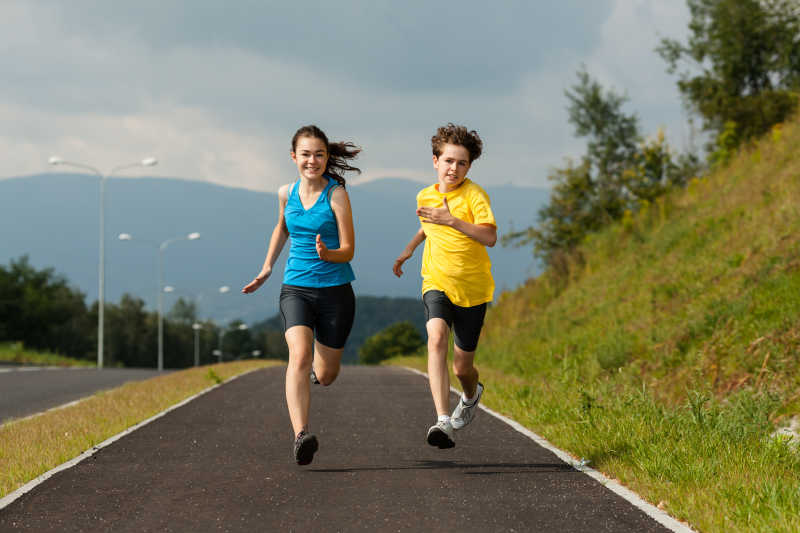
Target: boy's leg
[467, 324]
[465, 371]
[438, 338]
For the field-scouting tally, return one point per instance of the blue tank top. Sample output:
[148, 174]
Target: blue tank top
[304, 268]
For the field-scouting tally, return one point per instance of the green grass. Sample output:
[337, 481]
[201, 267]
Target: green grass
[16, 353]
[667, 350]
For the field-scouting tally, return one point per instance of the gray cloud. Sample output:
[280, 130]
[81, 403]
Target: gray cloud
[391, 45]
[216, 90]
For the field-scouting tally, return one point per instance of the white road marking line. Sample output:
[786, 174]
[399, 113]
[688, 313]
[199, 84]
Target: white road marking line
[614, 486]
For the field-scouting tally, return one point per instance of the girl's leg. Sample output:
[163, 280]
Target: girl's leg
[327, 362]
[300, 340]
[438, 339]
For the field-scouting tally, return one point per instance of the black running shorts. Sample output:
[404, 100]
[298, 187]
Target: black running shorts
[465, 321]
[328, 311]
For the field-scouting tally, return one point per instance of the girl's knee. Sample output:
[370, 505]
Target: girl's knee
[327, 376]
[300, 361]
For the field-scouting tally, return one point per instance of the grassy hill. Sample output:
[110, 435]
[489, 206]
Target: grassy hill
[667, 350]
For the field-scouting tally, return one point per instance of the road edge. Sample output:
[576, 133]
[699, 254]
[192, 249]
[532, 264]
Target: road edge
[8, 499]
[662, 517]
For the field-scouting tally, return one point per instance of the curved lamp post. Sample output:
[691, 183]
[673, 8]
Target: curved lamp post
[161, 247]
[146, 162]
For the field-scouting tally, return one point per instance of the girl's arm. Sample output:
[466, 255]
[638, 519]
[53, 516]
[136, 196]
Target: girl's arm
[486, 234]
[279, 237]
[340, 203]
[416, 240]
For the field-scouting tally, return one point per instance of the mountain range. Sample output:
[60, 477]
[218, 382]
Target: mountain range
[53, 219]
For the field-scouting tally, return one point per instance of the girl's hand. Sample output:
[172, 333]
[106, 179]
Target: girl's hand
[257, 282]
[398, 263]
[437, 215]
[322, 250]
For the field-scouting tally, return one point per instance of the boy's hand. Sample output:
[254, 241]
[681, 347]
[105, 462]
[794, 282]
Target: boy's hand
[437, 215]
[398, 263]
[322, 250]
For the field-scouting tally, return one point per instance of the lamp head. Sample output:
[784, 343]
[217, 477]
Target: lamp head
[149, 162]
[55, 160]
[193, 236]
[125, 236]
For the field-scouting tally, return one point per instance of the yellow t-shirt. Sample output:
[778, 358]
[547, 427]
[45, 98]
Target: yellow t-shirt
[453, 263]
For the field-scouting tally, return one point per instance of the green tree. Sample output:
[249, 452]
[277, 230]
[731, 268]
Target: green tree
[398, 339]
[618, 172]
[742, 64]
[131, 333]
[183, 311]
[592, 193]
[39, 308]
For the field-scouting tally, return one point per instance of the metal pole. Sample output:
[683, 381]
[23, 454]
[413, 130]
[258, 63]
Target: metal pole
[101, 274]
[160, 311]
[196, 346]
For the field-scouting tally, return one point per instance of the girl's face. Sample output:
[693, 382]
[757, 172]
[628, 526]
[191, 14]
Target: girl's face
[311, 157]
[451, 166]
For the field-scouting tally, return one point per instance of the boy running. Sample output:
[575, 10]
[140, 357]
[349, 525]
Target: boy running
[457, 224]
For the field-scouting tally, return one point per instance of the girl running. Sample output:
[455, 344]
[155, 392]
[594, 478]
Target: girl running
[316, 301]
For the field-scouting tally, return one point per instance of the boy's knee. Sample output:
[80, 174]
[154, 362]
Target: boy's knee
[463, 370]
[437, 339]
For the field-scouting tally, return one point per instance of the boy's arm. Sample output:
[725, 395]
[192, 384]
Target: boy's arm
[416, 240]
[486, 234]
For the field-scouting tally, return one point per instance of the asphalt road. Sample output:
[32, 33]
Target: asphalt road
[27, 390]
[223, 463]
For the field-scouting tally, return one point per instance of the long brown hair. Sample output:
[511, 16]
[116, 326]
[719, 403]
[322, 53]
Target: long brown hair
[338, 152]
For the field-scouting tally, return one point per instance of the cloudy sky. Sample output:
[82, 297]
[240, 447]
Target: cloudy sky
[215, 90]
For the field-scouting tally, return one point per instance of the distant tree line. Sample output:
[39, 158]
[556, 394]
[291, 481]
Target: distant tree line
[41, 310]
[741, 75]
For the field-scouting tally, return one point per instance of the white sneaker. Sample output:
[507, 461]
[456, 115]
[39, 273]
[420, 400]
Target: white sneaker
[441, 435]
[464, 413]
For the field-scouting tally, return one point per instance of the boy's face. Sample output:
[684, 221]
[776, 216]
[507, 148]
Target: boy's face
[451, 166]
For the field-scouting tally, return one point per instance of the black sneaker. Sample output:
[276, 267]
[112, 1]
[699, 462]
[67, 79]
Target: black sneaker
[305, 446]
[314, 380]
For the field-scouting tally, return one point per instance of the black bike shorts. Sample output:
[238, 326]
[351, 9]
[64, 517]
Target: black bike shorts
[328, 311]
[465, 321]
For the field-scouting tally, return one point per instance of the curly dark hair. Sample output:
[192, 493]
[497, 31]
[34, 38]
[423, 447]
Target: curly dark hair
[453, 134]
[338, 152]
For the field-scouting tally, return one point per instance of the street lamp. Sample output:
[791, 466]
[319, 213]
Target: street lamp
[161, 289]
[146, 162]
[197, 327]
